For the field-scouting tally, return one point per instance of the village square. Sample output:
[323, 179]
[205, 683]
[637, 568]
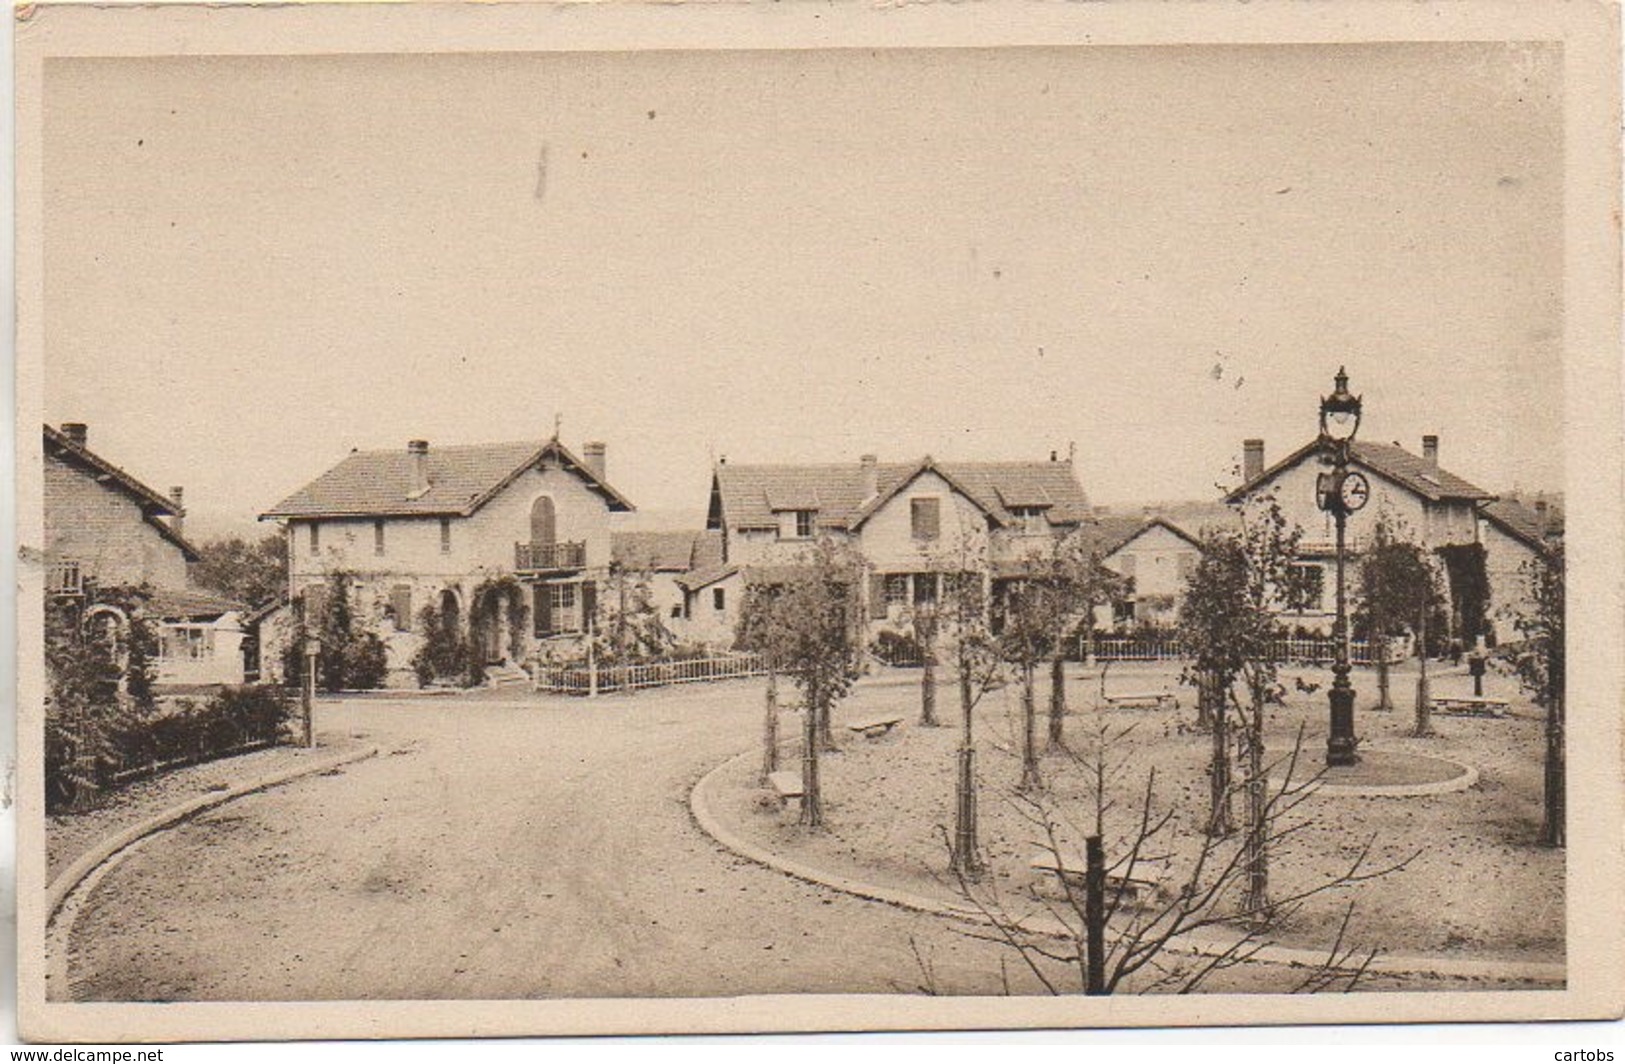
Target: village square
[884, 726]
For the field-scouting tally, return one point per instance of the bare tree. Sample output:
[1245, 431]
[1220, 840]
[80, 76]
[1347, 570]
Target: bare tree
[924, 624]
[963, 626]
[1117, 924]
[1029, 609]
[1079, 583]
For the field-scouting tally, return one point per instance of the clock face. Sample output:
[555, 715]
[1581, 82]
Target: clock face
[1355, 491]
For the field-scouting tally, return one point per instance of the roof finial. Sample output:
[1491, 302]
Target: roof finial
[558, 425]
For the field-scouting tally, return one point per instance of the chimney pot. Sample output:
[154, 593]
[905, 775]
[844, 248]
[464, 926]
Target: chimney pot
[76, 431]
[596, 457]
[1430, 448]
[1252, 459]
[419, 450]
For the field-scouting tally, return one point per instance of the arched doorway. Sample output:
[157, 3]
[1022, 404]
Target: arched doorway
[491, 618]
[543, 524]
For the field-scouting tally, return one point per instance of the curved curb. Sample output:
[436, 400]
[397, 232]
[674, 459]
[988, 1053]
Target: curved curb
[91, 859]
[699, 805]
[1467, 779]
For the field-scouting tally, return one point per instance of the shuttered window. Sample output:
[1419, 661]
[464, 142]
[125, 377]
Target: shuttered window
[378, 536]
[542, 611]
[926, 517]
[315, 537]
[719, 599]
[445, 535]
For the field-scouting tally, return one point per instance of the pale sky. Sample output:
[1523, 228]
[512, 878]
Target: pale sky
[254, 265]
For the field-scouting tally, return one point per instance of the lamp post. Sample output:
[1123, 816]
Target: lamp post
[1340, 494]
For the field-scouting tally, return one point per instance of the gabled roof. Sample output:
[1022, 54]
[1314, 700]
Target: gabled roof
[1144, 525]
[670, 552]
[1409, 471]
[153, 505]
[462, 478]
[1517, 521]
[746, 496]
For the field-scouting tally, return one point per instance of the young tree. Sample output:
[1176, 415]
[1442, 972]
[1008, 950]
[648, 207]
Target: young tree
[1079, 584]
[1542, 666]
[251, 571]
[1398, 588]
[963, 625]
[809, 623]
[352, 655]
[1031, 609]
[1143, 890]
[924, 624]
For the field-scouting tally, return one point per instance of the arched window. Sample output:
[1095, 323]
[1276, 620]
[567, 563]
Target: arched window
[543, 527]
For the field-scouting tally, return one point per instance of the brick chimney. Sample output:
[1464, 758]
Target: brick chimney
[77, 432]
[419, 450]
[596, 457]
[871, 475]
[1252, 460]
[1430, 449]
[177, 502]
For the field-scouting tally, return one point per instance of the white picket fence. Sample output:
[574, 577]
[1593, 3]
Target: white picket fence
[597, 679]
[1317, 651]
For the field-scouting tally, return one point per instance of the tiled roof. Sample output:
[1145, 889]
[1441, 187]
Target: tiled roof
[1410, 471]
[666, 551]
[751, 493]
[461, 479]
[185, 603]
[153, 505]
[1518, 521]
[699, 578]
[1141, 526]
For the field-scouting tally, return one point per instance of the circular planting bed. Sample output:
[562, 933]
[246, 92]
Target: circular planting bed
[1391, 774]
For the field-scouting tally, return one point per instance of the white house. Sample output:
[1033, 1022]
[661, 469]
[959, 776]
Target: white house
[910, 522]
[1158, 556]
[508, 541]
[1436, 508]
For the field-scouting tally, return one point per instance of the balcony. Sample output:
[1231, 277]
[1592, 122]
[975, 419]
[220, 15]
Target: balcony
[549, 557]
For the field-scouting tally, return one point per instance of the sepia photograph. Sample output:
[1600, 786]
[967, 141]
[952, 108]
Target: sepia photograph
[623, 527]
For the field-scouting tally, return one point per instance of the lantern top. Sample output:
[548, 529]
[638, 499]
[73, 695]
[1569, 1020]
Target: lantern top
[1340, 411]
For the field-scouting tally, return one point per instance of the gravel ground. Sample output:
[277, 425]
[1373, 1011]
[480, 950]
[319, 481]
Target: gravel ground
[69, 835]
[1477, 887]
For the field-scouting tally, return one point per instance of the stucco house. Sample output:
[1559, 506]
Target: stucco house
[1514, 536]
[509, 542]
[911, 522]
[656, 565]
[1443, 512]
[105, 528]
[1158, 556]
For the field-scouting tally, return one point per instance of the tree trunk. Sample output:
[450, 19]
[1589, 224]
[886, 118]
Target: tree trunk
[1257, 899]
[1221, 821]
[1384, 699]
[1204, 700]
[1057, 701]
[1553, 827]
[928, 686]
[826, 733]
[812, 800]
[1094, 916]
[964, 859]
[1424, 698]
[770, 726]
[1030, 778]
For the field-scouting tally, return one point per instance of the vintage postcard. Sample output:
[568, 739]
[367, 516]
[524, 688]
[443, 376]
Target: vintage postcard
[623, 517]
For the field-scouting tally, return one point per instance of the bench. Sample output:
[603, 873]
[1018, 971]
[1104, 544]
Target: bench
[1075, 876]
[1143, 700]
[1471, 706]
[871, 729]
[786, 785]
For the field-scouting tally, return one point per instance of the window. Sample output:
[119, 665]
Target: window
[719, 599]
[677, 612]
[561, 610]
[378, 536]
[925, 588]
[1305, 588]
[400, 605]
[926, 515]
[445, 535]
[315, 537]
[1123, 611]
[186, 642]
[895, 589]
[65, 578]
[1029, 518]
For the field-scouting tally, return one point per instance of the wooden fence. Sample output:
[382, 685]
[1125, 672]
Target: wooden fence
[597, 679]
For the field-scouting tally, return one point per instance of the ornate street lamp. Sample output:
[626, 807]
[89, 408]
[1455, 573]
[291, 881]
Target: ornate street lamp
[1341, 493]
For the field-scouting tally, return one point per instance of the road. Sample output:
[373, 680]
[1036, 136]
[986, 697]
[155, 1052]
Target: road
[494, 851]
